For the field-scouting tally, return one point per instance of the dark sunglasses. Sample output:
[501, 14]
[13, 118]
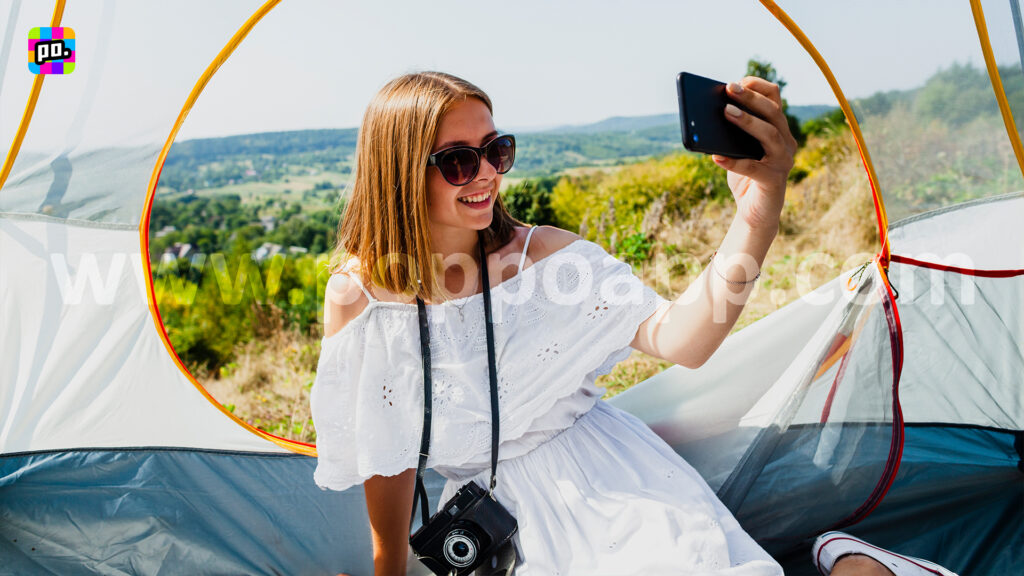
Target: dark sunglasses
[459, 164]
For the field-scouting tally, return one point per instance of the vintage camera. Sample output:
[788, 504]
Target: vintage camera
[469, 530]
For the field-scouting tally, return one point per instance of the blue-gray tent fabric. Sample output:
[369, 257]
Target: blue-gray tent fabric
[793, 499]
[835, 439]
[158, 511]
[958, 500]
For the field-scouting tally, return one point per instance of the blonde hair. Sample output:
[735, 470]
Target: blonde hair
[385, 220]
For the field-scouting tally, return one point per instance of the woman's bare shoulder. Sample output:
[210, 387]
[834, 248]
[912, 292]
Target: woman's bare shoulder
[547, 240]
[343, 301]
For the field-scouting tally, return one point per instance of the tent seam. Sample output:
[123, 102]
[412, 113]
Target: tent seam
[1001, 273]
[74, 222]
[946, 209]
[154, 449]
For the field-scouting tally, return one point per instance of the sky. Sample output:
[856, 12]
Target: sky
[316, 64]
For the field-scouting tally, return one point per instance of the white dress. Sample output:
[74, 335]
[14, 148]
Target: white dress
[593, 489]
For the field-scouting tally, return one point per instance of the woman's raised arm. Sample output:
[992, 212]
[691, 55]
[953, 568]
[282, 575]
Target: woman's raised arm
[688, 330]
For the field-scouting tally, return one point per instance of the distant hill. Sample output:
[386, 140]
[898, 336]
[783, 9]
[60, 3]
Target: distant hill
[272, 156]
[633, 123]
[617, 124]
[275, 143]
[805, 113]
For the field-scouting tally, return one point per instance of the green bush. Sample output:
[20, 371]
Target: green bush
[608, 207]
[530, 200]
[826, 124]
[211, 305]
[635, 248]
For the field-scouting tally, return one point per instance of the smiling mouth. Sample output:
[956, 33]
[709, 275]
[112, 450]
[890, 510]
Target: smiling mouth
[482, 200]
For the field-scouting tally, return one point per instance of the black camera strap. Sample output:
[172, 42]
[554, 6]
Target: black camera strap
[420, 492]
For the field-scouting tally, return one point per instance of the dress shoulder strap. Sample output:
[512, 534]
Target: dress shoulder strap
[355, 278]
[526, 246]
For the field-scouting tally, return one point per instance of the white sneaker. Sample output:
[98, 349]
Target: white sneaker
[831, 545]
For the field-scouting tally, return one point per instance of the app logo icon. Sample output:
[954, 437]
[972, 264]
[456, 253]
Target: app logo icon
[51, 50]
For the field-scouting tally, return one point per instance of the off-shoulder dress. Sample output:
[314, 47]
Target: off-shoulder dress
[593, 489]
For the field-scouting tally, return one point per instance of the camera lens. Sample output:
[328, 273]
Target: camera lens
[460, 548]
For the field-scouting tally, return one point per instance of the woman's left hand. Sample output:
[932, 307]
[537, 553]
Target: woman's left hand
[759, 186]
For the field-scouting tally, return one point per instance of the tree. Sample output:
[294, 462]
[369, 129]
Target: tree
[530, 200]
[767, 71]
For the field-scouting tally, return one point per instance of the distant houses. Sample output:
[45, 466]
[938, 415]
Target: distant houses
[175, 251]
[165, 231]
[270, 249]
[265, 251]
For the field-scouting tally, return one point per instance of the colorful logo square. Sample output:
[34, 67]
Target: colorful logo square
[51, 50]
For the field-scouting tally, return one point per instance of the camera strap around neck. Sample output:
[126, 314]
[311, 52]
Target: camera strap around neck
[420, 492]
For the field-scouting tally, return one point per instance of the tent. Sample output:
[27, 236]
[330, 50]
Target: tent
[888, 402]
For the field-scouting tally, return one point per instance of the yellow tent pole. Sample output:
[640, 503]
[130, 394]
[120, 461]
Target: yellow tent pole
[997, 83]
[200, 85]
[883, 220]
[30, 107]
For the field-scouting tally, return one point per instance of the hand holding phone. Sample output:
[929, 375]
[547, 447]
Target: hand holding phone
[752, 143]
[701, 115]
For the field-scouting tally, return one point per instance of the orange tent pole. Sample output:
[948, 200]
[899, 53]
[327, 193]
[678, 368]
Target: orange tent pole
[30, 107]
[997, 83]
[204, 79]
[883, 220]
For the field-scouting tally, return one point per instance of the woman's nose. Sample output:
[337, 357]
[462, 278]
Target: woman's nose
[487, 170]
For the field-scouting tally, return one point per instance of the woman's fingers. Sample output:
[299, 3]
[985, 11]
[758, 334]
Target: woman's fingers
[776, 148]
[768, 89]
[753, 169]
[762, 99]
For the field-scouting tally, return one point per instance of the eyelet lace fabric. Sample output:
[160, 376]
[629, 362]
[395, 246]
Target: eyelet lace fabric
[557, 325]
[594, 490]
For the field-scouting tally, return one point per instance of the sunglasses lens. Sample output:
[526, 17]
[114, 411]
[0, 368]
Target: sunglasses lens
[501, 154]
[459, 166]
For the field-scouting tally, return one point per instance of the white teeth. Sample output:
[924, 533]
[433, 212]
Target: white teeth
[474, 199]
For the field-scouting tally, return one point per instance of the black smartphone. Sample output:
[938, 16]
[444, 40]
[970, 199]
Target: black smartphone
[702, 117]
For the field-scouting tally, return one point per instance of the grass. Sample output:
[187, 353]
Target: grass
[290, 189]
[268, 384]
[828, 225]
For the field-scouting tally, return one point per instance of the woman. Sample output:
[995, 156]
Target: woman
[594, 491]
